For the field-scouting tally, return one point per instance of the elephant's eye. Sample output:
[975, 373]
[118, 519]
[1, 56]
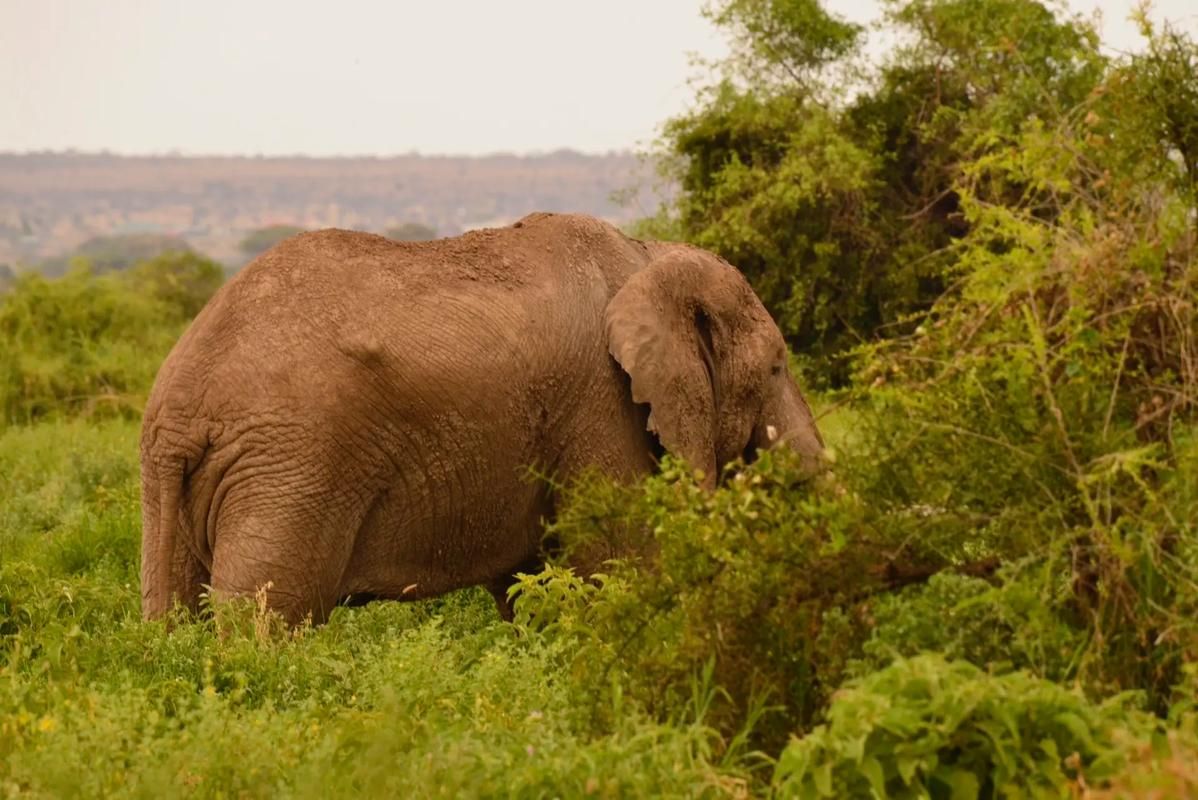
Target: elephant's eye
[776, 370]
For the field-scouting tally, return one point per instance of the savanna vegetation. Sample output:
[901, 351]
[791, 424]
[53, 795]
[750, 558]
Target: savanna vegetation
[982, 246]
[260, 240]
[412, 232]
[108, 253]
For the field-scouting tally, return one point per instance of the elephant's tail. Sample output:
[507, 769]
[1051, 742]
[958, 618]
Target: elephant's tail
[162, 486]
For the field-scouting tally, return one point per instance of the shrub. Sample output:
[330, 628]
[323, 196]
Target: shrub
[740, 580]
[259, 241]
[928, 727]
[90, 345]
[1159, 770]
[1049, 398]
[107, 253]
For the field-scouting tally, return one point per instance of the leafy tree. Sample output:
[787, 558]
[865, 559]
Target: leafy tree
[184, 281]
[784, 42]
[259, 241]
[107, 253]
[412, 232]
[833, 187]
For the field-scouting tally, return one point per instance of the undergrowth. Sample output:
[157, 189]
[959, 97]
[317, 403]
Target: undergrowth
[432, 699]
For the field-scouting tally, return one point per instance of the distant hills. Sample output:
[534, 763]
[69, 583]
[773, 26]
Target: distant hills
[52, 203]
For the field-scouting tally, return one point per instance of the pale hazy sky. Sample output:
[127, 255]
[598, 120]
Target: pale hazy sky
[367, 76]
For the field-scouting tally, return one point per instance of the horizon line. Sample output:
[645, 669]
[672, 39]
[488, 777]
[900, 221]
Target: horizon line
[181, 154]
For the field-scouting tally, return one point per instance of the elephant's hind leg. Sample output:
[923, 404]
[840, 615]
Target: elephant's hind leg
[297, 554]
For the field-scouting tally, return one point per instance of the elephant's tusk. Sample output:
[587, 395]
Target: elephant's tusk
[771, 433]
[411, 587]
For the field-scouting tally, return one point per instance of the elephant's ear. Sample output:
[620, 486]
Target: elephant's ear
[659, 332]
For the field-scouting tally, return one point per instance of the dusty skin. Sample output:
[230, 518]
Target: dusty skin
[354, 417]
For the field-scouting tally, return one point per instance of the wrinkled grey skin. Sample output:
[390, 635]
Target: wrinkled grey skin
[355, 417]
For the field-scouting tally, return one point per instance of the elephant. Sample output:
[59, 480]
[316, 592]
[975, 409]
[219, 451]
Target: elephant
[354, 417]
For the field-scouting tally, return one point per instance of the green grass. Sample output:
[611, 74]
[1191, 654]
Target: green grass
[441, 699]
[429, 699]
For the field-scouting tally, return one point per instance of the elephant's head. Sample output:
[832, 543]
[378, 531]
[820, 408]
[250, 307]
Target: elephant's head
[705, 355]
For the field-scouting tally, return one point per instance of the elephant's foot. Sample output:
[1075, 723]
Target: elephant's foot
[499, 587]
[498, 590]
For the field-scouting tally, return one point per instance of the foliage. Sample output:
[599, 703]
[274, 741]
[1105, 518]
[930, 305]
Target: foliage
[1160, 770]
[1023, 444]
[754, 581]
[90, 344]
[183, 281]
[1060, 368]
[787, 41]
[259, 241]
[1003, 625]
[1157, 95]
[108, 253]
[834, 187]
[412, 232]
[928, 727]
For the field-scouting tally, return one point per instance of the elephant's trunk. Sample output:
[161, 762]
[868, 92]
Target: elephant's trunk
[787, 420]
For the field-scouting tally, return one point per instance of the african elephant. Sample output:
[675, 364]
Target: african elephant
[353, 416]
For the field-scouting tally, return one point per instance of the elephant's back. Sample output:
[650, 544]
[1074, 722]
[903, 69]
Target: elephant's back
[321, 283]
[312, 315]
[535, 249]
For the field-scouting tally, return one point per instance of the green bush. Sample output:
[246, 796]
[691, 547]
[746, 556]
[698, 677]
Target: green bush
[108, 253]
[259, 241]
[1001, 624]
[927, 727]
[1161, 769]
[1048, 401]
[88, 344]
[182, 281]
[739, 580]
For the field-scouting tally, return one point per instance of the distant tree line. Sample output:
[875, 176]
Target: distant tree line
[114, 253]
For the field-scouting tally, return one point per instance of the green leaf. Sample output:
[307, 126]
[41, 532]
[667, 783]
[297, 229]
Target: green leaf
[962, 784]
[872, 770]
